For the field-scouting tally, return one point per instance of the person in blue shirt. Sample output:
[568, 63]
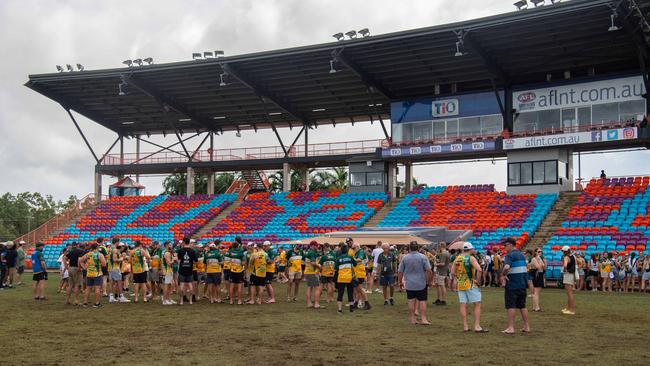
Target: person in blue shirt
[516, 277]
[40, 272]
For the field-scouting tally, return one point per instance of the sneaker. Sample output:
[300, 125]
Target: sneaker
[385, 302]
[123, 299]
[173, 302]
[167, 303]
[85, 305]
[97, 305]
[367, 306]
[437, 302]
[443, 302]
[367, 291]
[392, 302]
[568, 312]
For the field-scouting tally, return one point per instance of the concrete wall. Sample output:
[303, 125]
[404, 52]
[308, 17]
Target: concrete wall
[564, 158]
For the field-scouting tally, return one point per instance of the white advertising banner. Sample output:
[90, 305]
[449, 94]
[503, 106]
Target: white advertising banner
[583, 94]
[616, 134]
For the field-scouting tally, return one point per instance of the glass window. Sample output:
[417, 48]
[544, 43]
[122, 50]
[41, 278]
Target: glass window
[526, 173]
[513, 174]
[375, 178]
[439, 129]
[396, 130]
[549, 119]
[469, 126]
[452, 128]
[358, 179]
[550, 172]
[491, 125]
[422, 131]
[584, 116]
[604, 113]
[569, 118]
[630, 110]
[538, 172]
[526, 121]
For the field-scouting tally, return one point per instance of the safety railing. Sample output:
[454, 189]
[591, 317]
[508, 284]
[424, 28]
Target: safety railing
[603, 125]
[248, 153]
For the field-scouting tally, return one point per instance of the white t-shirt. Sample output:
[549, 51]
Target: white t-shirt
[375, 255]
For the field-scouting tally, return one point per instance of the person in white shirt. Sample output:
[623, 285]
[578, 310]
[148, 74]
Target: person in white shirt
[375, 268]
[63, 285]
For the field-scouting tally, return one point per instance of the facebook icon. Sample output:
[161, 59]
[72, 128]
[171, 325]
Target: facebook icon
[596, 136]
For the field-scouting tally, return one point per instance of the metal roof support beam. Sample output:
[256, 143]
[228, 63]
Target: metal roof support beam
[286, 154]
[201, 144]
[487, 60]
[631, 28]
[109, 149]
[263, 92]
[163, 148]
[275, 130]
[81, 133]
[357, 69]
[381, 120]
[173, 126]
[166, 102]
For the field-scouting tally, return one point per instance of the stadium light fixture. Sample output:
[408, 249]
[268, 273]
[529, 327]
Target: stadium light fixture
[184, 119]
[521, 4]
[138, 61]
[122, 87]
[351, 34]
[537, 2]
[128, 63]
[67, 66]
[333, 69]
[275, 113]
[219, 117]
[364, 32]
[128, 122]
[197, 56]
[459, 49]
[223, 78]
[59, 68]
[208, 54]
[339, 36]
[613, 27]
[148, 60]
[218, 53]
[318, 110]
[80, 67]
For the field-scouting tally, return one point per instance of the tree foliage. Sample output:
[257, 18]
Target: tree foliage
[336, 178]
[175, 184]
[26, 211]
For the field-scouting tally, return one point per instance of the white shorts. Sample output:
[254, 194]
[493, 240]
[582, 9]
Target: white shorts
[115, 275]
[168, 279]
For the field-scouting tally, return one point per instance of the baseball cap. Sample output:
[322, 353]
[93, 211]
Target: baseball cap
[510, 240]
[192, 241]
[266, 243]
[10, 243]
[213, 245]
[566, 248]
[468, 246]
[313, 242]
[21, 242]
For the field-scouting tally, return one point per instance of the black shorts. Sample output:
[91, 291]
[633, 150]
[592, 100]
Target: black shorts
[213, 279]
[140, 277]
[195, 276]
[21, 269]
[325, 280]
[358, 281]
[105, 271]
[538, 280]
[594, 274]
[515, 298]
[40, 276]
[237, 277]
[258, 281]
[185, 278]
[226, 275]
[269, 277]
[419, 295]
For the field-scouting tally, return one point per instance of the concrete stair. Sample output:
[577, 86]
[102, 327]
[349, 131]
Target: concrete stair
[553, 221]
[217, 219]
[383, 211]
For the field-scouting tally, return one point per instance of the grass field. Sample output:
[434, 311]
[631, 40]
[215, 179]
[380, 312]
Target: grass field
[609, 329]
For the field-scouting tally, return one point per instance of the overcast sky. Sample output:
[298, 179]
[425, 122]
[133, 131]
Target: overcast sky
[41, 150]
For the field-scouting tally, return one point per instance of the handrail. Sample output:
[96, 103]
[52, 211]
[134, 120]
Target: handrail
[54, 223]
[573, 129]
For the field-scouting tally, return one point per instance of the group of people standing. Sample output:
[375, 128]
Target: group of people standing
[12, 264]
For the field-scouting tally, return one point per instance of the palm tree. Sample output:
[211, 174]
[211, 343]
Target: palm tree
[339, 178]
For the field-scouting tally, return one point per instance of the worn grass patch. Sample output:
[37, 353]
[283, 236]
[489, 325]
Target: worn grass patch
[608, 329]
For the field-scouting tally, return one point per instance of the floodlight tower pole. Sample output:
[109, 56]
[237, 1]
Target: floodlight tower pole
[137, 154]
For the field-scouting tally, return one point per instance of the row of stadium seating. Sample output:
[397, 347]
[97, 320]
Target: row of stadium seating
[144, 218]
[611, 215]
[492, 215]
[284, 217]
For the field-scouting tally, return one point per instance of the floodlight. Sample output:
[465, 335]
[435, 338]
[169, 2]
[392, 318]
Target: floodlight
[59, 68]
[208, 54]
[339, 36]
[223, 76]
[196, 56]
[537, 2]
[352, 34]
[459, 49]
[128, 63]
[613, 27]
[138, 61]
[521, 4]
[148, 60]
[333, 67]
[218, 53]
[67, 66]
[80, 67]
[122, 89]
[364, 32]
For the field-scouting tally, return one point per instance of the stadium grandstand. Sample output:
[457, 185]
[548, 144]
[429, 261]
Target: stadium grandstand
[536, 87]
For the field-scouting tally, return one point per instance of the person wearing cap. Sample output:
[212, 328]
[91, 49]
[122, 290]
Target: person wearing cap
[327, 262]
[569, 279]
[271, 258]
[415, 270]
[40, 272]
[93, 262]
[515, 274]
[237, 258]
[295, 259]
[20, 251]
[442, 260]
[312, 268]
[282, 266]
[11, 260]
[361, 260]
[167, 261]
[467, 271]
[212, 263]
[387, 263]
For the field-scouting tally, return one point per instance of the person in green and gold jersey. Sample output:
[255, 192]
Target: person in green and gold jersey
[361, 260]
[237, 258]
[327, 262]
[257, 276]
[213, 259]
[294, 260]
[167, 271]
[271, 258]
[137, 259]
[93, 261]
[312, 268]
[344, 267]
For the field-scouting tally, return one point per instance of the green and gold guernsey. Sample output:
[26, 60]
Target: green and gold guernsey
[311, 258]
[270, 260]
[213, 261]
[237, 259]
[327, 262]
[345, 267]
[137, 262]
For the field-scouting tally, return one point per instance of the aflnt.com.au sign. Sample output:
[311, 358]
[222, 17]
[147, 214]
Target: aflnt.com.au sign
[616, 134]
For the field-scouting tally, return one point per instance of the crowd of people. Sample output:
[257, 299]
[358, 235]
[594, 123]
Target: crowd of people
[12, 264]
[241, 273]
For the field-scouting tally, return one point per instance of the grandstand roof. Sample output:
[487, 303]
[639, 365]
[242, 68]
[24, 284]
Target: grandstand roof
[294, 86]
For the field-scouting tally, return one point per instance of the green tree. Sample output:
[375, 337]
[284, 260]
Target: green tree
[175, 184]
[26, 211]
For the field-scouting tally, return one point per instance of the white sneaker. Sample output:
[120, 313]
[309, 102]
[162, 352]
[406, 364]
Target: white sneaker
[167, 302]
[111, 299]
[173, 302]
[123, 299]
